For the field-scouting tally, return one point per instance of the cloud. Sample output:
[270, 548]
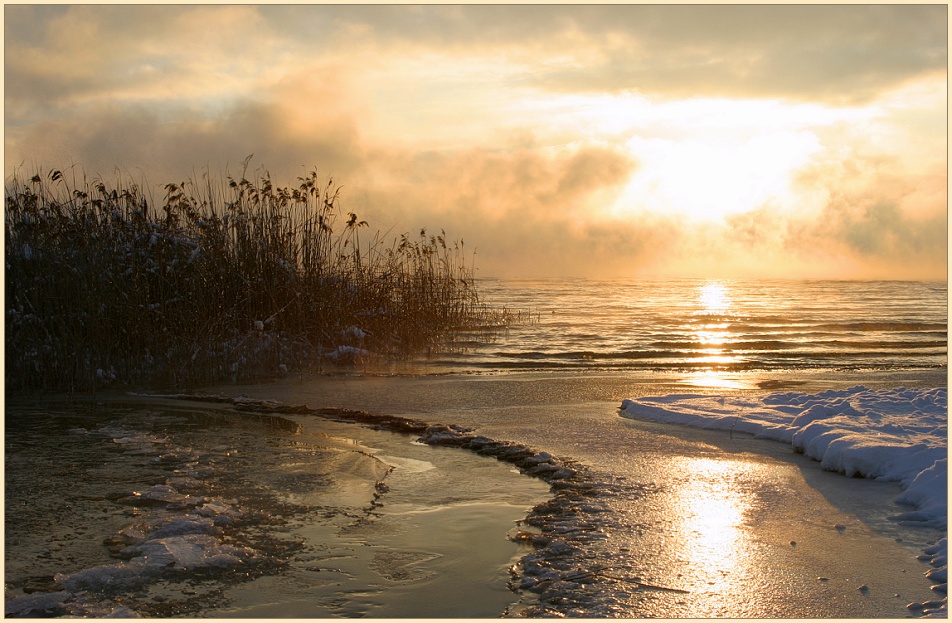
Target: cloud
[528, 212]
[520, 128]
[87, 56]
[131, 138]
[876, 228]
[524, 211]
[881, 229]
[842, 53]
[877, 224]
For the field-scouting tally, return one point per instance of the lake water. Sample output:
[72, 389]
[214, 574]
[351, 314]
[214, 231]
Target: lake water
[283, 517]
[712, 328]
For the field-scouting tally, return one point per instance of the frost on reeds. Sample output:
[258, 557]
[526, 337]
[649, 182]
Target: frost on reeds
[229, 280]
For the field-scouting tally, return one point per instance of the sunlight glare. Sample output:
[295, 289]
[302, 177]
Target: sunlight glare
[713, 335]
[714, 338]
[708, 178]
[713, 298]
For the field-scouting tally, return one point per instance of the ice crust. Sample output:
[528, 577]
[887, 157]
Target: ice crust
[569, 532]
[871, 432]
[566, 531]
[183, 534]
[898, 435]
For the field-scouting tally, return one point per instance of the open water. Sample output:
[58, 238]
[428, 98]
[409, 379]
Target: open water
[721, 326]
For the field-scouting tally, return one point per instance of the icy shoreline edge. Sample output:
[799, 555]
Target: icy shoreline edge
[567, 530]
[561, 528]
[558, 529]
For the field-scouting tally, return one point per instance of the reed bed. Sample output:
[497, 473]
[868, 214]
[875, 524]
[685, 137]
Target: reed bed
[235, 280]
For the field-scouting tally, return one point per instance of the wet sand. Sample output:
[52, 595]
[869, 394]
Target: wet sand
[737, 527]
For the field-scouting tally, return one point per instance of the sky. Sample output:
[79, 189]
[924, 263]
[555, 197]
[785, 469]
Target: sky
[609, 141]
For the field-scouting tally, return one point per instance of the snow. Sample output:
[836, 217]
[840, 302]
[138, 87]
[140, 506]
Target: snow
[355, 333]
[347, 354]
[898, 435]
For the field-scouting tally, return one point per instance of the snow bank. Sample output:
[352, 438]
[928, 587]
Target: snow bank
[347, 354]
[898, 435]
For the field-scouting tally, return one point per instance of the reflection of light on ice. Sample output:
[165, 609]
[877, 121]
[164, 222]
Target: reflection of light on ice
[898, 435]
[712, 512]
[712, 506]
[714, 379]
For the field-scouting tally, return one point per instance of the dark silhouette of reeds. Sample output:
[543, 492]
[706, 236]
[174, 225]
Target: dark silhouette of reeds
[230, 280]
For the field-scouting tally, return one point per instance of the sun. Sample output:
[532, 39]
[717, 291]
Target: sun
[709, 159]
[708, 180]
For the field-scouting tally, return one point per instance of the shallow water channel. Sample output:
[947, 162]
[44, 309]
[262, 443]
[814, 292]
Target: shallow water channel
[165, 508]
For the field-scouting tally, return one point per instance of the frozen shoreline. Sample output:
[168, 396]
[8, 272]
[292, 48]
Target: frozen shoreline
[897, 435]
[893, 435]
[578, 528]
[524, 408]
[220, 511]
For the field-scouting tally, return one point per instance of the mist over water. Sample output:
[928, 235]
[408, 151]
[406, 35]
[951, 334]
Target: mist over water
[710, 326]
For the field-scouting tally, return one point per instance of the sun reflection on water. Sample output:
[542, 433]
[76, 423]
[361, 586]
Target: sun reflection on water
[713, 335]
[713, 298]
[715, 380]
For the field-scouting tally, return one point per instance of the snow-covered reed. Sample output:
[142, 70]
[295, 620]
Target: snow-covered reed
[233, 279]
